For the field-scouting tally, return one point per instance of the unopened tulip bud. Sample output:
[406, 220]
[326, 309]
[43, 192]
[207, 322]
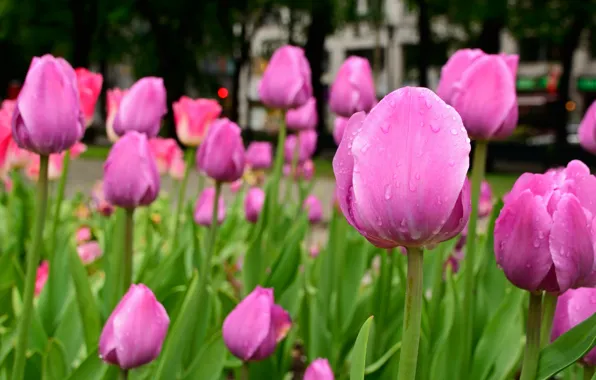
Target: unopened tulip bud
[221, 156]
[204, 208]
[254, 327]
[253, 204]
[319, 370]
[307, 144]
[135, 331]
[304, 117]
[89, 85]
[130, 173]
[353, 89]
[286, 82]
[313, 206]
[142, 108]
[48, 116]
[193, 118]
[259, 155]
[89, 252]
[83, 235]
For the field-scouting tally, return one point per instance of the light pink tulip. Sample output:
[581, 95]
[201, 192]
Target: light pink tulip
[319, 369]
[259, 155]
[83, 235]
[204, 208]
[89, 252]
[587, 130]
[178, 166]
[307, 144]
[164, 151]
[253, 204]
[338, 128]
[314, 208]
[304, 117]
[193, 118]
[353, 89]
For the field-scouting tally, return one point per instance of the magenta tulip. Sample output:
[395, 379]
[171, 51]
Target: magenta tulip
[481, 87]
[130, 176]
[259, 155]
[391, 186]
[339, 128]
[221, 156]
[286, 82]
[193, 118]
[307, 170]
[252, 330]
[89, 85]
[41, 277]
[253, 204]
[142, 108]
[314, 208]
[304, 117]
[319, 370]
[543, 236]
[587, 130]
[573, 307]
[48, 117]
[307, 144]
[353, 89]
[135, 331]
[204, 208]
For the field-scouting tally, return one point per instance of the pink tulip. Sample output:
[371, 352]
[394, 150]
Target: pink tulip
[259, 155]
[83, 235]
[574, 307]
[204, 208]
[319, 370]
[164, 151]
[89, 252]
[485, 203]
[48, 116]
[89, 85]
[43, 271]
[313, 207]
[314, 251]
[391, 187]
[11, 155]
[543, 236]
[222, 155]
[236, 185]
[339, 127]
[303, 117]
[142, 108]
[481, 87]
[130, 174]
[307, 144]
[114, 97]
[286, 82]
[254, 327]
[6, 183]
[587, 130]
[135, 331]
[193, 118]
[178, 166]
[353, 89]
[99, 201]
[253, 204]
[307, 170]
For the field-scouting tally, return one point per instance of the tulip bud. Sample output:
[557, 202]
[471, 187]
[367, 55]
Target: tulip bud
[89, 85]
[286, 82]
[114, 97]
[339, 127]
[130, 173]
[48, 117]
[254, 327]
[313, 207]
[236, 185]
[353, 89]
[43, 271]
[485, 203]
[390, 186]
[259, 155]
[204, 208]
[142, 108]
[319, 370]
[135, 331]
[587, 130]
[221, 155]
[307, 143]
[193, 118]
[253, 204]
[307, 170]
[99, 201]
[574, 307]
[303, 117]
[178, 166]
[89, 252]
[481, 87]
[163, 151]
[83, 235]
[543, 235]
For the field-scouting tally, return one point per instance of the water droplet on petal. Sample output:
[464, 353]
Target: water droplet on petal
[379, 221]
[417, 176]
[412, 186]
[536, 244]
[365, 147]
[454, 118]
[428, 103]
[451, 163]
[453, 131]
[387, 192]
[435, 128]
[385, 127]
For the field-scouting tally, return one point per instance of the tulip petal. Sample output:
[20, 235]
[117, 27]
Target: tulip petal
[521, 235]
[459, 216]
[453, 70]
[508, 126]
[587, 130]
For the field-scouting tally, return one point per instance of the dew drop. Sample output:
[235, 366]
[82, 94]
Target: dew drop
[451, 163]
[439, 200]
[453, 131]
[428, 103]
[536, 244]
[385, 127]
[365, 147]
[417, 176]
[528, 265]
[435, 128]
[412, 186]
[387, 192]
[379, 221]
[454, 118]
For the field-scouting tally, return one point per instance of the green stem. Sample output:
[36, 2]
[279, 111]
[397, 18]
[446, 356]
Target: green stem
[293, 175]
[205, 271]
[548, 312]
[532, 352]
[245, 371]
[412, 315]
[589, 372]
[124, 374]
[32, 263]
[59, 199]
[278, 166]
[190, 153]
[469, 278]
[128, 249]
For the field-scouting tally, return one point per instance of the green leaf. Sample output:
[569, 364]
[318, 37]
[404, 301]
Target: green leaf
[86, 301]
[209, 363]
[350, 275]
[358, 362]
[93, 368]
[70, 331]
[567, 349]
[55, 366]
[374, 367]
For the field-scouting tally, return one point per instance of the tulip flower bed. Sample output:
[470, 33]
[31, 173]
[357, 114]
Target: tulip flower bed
[424, 274]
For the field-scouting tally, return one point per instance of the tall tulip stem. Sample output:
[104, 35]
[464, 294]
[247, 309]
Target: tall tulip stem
[478, 169]
[190, 153]
[128, 248]
[548, 312]
[279, 160]
[59, 199]
[532, 352]
[32, 263]
[412, 315]
[210, 246]
[293, 175]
